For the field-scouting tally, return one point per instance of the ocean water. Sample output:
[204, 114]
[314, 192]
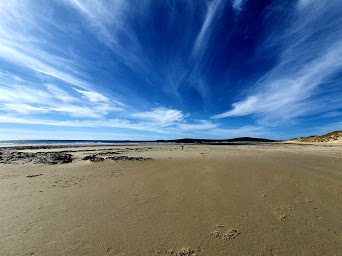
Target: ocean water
[13, 143]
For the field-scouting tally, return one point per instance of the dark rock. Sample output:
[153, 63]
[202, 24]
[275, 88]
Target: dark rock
[108, 153]
[93, 158]
[128, 158]
[15, 157]
[34, 175]
[52, 158]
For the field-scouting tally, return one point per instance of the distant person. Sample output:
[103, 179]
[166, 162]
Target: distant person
[182, 146]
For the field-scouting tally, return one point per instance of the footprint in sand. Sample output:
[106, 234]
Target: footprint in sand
[109, 250]
[337, 189]
[282, 217]
[216, 234]
[181, 252]
[288, 208]
[274, 251]
[231, 234]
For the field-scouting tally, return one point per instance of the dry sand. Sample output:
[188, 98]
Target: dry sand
[281, 199]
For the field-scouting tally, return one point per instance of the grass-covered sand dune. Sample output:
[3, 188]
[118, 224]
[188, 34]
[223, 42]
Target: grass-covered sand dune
[335, 136]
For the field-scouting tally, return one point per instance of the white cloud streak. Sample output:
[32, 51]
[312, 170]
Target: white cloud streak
[238, 5]
[152, 126]
[60, 94]
[47, 98]
[287, 98]
[92, 96]
[16, 56]
[108, 23]
[27, 41]
[309, 58]
[202, 125]
[74, 123]
[161, 116]
[214, 11]
[70, 110]
[22, 108]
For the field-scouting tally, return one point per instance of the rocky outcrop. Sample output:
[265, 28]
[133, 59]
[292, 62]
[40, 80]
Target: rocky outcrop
[128, 158]
[93, 158]
[15, 157]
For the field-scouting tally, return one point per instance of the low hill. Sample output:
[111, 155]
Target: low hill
[241, 139]
[329, 137]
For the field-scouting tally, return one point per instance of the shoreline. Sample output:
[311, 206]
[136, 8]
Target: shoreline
[67, 146]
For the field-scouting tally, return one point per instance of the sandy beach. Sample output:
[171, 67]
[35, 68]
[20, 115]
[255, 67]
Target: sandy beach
[278, 199]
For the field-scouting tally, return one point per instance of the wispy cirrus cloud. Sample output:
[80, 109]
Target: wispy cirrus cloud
[69, 110]
[38, 99]
[166, 127]
[52, 83]
[330, 114]
[289, 96]
[67, 123]
[214, 11]
[92, 96]
[24, 108]
[31, 62]
[202, 125]
[22, 94]
[161, 116]
[60, 94]
[190, 72]
[27, 39]
[107, 20]
[238, 4]
[310, 52]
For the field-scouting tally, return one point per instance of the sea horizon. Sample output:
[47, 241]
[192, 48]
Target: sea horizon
[9, 143]
[14, 143]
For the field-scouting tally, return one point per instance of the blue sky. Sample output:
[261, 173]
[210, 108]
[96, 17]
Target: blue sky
[150, 69]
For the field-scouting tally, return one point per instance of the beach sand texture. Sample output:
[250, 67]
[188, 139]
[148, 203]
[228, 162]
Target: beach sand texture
[279, 199]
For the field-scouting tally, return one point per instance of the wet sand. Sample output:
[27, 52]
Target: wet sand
[280, 199]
